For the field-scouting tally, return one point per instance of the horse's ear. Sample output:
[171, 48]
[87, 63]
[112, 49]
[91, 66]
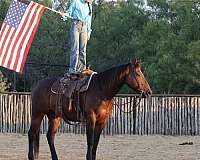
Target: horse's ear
[89, 67]
[135, 62]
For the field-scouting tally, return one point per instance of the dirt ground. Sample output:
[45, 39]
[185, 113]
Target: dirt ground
[122, 147]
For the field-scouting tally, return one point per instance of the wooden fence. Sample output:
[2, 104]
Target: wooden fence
[159, 114]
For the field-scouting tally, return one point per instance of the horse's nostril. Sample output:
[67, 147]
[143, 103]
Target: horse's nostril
[149, 92]
[144, 94]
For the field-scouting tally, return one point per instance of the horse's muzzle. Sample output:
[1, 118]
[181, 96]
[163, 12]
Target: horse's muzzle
[146, 94]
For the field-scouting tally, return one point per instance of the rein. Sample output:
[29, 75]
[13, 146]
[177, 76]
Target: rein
[135, 104]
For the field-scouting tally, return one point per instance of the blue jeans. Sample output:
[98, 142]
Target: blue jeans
[78, 43]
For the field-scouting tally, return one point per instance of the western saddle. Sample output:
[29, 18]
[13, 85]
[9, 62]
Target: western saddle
[71, 88]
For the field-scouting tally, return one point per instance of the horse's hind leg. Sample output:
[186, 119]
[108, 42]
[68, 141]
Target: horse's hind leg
[53, 127]
[33, 136]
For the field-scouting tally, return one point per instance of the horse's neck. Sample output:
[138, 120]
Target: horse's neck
[112, 80]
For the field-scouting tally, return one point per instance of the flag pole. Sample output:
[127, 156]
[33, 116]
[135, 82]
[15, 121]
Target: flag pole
[52, 10]
[27, 1]
[56, 11]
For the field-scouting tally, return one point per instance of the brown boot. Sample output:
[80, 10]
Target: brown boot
[86, 72]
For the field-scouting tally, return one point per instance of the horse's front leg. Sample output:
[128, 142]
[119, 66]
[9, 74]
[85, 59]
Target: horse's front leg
[53, 127]
[97, 133]
[90, 125]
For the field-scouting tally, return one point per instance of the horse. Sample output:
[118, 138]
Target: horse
[96, 105]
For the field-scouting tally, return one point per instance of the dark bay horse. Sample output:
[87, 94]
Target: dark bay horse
[96, 106]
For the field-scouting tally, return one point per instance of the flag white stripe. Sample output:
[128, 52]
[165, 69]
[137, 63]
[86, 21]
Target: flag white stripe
[8, 39]
[1, 42]
[27, 39]
[22, 36]
[17, 33]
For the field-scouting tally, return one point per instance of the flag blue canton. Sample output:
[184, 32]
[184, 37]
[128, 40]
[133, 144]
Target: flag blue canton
[15, 13]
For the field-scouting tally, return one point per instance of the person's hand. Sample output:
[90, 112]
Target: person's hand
[88, 1]
[64, 16]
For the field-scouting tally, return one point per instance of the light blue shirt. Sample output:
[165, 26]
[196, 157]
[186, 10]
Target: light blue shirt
[79, 10]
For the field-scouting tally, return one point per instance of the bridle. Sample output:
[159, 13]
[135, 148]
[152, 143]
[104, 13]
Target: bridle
[133, 74]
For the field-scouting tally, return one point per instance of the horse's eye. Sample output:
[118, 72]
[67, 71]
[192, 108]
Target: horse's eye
[137, 73]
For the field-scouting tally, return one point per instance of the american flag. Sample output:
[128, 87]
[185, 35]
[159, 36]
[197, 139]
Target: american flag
[17, 33]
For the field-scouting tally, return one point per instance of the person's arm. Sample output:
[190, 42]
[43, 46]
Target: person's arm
[71, 8]
[69, 12]
[55, 4]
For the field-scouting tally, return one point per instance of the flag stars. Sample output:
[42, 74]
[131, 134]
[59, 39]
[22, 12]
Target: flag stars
[15, 13]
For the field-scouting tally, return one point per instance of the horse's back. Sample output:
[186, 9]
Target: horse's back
[43, 85]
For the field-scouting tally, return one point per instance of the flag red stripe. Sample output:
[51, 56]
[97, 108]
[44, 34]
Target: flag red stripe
[30, 40]
[11, 55]
[22, 41]
[2, 30]
[7, 48]
[4, 40]
[1, 35]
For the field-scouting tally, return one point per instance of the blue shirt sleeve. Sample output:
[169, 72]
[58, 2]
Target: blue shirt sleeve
[71, 8]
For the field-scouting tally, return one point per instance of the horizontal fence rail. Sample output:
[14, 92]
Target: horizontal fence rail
[159, 114]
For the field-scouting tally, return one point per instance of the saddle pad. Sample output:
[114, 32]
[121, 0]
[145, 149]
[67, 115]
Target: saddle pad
[80, 85]
[84, 85]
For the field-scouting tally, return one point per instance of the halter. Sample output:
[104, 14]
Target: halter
[134, 75]
[140, 96]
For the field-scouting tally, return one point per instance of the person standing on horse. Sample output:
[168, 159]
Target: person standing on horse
[81, 13]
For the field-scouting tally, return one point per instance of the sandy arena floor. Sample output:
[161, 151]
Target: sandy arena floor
[122, 147]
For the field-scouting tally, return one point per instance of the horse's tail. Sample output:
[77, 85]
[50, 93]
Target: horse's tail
[36, 145]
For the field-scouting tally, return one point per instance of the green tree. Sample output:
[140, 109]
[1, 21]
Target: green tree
[165, 36]
[4, 85]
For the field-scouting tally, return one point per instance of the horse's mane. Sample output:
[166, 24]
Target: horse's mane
[111, 76]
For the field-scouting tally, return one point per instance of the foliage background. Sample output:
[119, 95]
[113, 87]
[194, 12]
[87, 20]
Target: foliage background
[165, 36]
